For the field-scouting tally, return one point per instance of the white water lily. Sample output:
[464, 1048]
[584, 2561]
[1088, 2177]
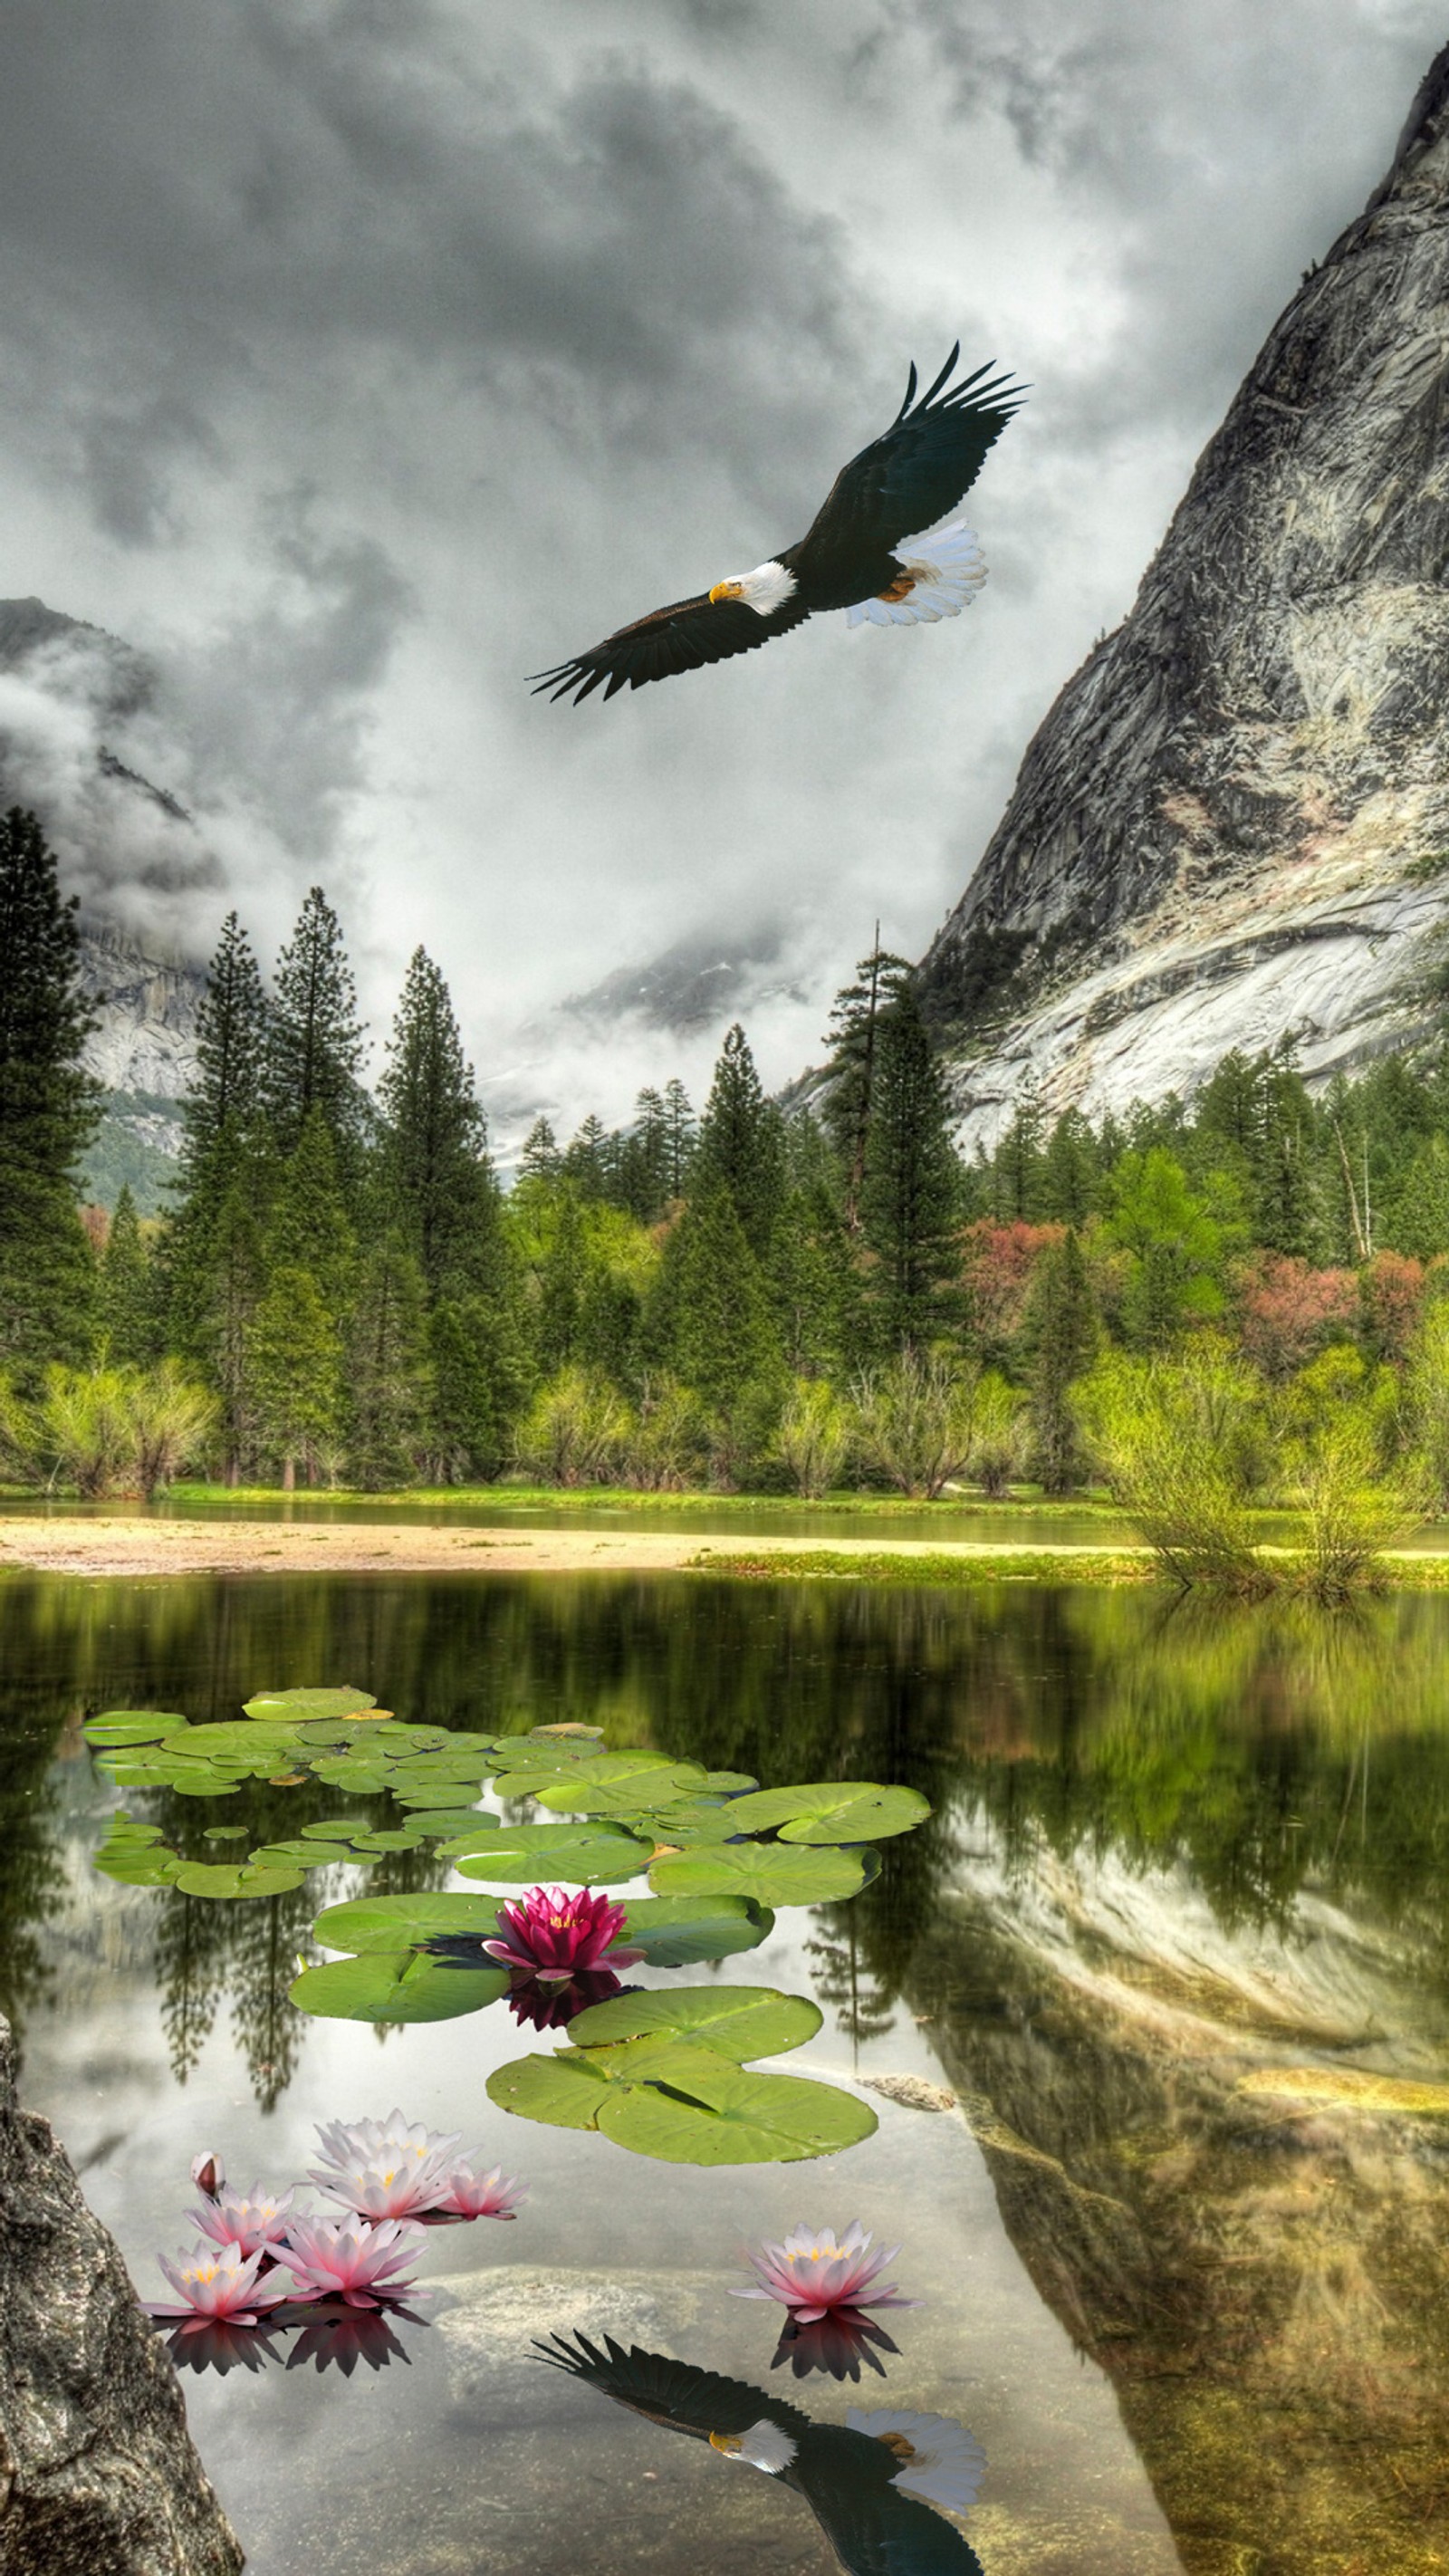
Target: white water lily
[385, 2169]
[939, 2459]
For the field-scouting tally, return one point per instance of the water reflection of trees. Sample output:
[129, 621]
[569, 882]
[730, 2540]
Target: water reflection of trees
[1264, 1750]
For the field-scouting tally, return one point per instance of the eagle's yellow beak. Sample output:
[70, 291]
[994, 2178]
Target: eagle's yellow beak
[729, 2442]
[725, 590]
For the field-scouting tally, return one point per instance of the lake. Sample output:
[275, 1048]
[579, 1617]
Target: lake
[1186, 1877]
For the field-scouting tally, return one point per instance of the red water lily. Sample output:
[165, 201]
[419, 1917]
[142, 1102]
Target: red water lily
[551, 1936]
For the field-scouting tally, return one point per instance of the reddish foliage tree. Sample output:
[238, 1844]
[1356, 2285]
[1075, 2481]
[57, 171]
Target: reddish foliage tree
[1392, 1290]
[1287, 1310]
[997, 1266]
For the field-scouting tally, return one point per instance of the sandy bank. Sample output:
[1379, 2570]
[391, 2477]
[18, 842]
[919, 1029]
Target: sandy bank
[127, 1545]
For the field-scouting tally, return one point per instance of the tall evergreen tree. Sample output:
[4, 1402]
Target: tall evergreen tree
[439, 1182]
[126, 1304]
[851, 1037]
[741, 1144]
[315, 1043]
[224, 1103]
[308, 1227]
[48, 1109]
[482, 1379]
[709, 1317]
[681, 1135]
[911, 1198]
[388, 1373]
[294, 1373]
[541, 1159]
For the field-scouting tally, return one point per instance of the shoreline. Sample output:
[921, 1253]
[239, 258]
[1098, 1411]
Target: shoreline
[132, 1545]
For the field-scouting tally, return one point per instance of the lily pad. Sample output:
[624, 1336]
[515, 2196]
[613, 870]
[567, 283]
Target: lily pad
[563, 2088]
[766, 1871]
[523, 1855]
[381, 1923]
[738, 2021]
[130, 1726]
[223, 1833]
[607, 1788]
[218, 1879]
[390, 1838]
[299, 1855]
[308, 1702]
[735, 2119]
[443, 1823]
[831, 1811]
[675, 1931]
[135, 1864]
[395, 1986]
[205, 1784]
[332, 1829]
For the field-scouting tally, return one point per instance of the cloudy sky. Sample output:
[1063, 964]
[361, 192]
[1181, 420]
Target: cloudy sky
[358, 357]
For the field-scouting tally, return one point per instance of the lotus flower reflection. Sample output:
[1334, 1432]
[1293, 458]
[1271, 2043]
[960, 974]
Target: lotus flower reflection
[346, 2258]
[257, 2220]
[217, 2285]
[837, 2342]
[812, 2274]
[552, 1936]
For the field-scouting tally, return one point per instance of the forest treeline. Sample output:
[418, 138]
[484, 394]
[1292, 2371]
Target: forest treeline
[743, 1295]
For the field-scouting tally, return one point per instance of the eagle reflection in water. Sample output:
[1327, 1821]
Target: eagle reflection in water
[864, 2480]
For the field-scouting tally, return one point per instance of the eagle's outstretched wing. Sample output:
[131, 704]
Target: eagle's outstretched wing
[672, 2393]
[876, 2532]
[915, 472]
[679, 638]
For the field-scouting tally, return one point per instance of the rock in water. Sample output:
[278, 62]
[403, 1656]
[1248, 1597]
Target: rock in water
[98, 2476]
[1235, 820]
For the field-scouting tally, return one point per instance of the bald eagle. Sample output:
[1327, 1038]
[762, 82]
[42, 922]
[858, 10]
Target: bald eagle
[858, 555]
[854, 2476]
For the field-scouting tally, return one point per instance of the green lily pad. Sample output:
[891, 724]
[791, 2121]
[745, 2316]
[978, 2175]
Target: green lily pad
[138, 1864]
[299, 1855]
[395, 1986]
[128, 1774]
[676, 1931]
[332, 1829]
[443, 1823]
[766, 1871]
[218, 1879]
[831, 1811]
[727, 1783]
[358, 1779]
[525, 1855]
[223, 1833]
[389, 1838]
[734, 2119]
[130, 1726]
[694, 1820]
[308, 1702]
[379, 1923]
[205, 1784]
[563, 2088]
[738, 2021]
[608, 1789]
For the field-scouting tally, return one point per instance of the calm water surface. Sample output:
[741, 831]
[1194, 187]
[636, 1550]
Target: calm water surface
[1195, 2325]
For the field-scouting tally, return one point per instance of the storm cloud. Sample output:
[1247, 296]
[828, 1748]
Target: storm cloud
[357, 359]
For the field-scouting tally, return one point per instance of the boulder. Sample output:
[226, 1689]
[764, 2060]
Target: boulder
[98, 2476]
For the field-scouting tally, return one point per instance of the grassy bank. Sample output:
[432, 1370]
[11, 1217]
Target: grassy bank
[1093, 1565]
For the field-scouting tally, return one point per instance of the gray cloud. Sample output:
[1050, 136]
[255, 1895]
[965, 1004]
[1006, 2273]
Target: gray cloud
[359, 356]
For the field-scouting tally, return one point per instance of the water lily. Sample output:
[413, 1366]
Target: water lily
[490, 2195]
[552, 1935]
[208, 2172]
[553, 2005]
[385, 2169]
[348, 2259]
[217, 2284]
[939, 2459]
[255, 2220]
[812, 2273]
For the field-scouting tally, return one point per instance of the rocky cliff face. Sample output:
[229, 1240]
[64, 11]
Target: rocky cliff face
[1234, 823]
[146, 1011]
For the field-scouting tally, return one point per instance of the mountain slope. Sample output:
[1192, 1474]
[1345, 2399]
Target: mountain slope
[1233, 822]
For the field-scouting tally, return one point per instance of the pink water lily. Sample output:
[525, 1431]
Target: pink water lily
[490, 2195]
[552, 1935]
[217, 2285]
[813, 2272]
[389, 2168]
[208, 2172]
[255, 2220]
[347, 2258]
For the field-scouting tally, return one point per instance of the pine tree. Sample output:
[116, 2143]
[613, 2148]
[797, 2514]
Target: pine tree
[585, 1163]
[709, 1316]
[680, 1137]
[911, 1196]
[47, 1110]
[294, 1373]
[540, 1159]
[561, 1285]
[815, 1286]
[1061, 1335]
[308, 1226]
[388, 1375]
[439, 1184]
[315, 1043]
[235, 1284]
[126, 1306]
[851, 1037]
[482, 1381]
[224, 1104]
[741, 1144]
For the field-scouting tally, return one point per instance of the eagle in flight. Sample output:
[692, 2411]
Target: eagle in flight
[862, 2479]
[859, 555]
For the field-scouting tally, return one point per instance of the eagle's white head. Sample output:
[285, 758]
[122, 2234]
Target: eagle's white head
[764, 590]
[765, 2445]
